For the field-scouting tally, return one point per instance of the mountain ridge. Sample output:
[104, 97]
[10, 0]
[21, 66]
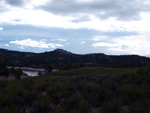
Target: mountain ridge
[60, 56]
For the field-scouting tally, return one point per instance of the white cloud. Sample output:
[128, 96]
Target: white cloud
[59, 39]
[34, 43]
[1, 28]
[39, 2]
[104, 44]
[127, 45]
[21, 47]
[7, 45]
[62, 40]
[39, 17]
[83, 42]
[101, 15]
[103, 9]
[99, 38]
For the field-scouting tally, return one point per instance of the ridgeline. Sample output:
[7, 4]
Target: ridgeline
[59, 57]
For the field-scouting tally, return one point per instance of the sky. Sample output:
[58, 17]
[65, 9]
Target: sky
[113, 27]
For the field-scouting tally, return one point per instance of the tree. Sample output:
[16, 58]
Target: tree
[3, 68]
[18, 74]
[49, 68]
[3, 65]
[39, 73]
[13, 70]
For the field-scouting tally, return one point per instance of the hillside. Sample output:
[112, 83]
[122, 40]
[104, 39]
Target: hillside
[60, 56]
[15, 58]
[84, 90]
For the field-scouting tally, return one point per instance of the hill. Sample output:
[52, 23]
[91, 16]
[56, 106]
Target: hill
[59, 57]
[15, 58]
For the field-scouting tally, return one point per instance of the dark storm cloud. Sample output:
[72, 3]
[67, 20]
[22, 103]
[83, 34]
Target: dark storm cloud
[120, 9]
[3, 7]
[15, 2]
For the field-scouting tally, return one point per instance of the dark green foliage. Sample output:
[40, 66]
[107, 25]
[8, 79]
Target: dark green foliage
[140, 71]
[70, 66]
[3, 65]
[66, 60]
[18, 73]
[42, 105]
[75, 104]
[108, 90]
[39, 73]
[49, 68]
[13, 70]
[3, 69]
[141, 106]
[113, 106]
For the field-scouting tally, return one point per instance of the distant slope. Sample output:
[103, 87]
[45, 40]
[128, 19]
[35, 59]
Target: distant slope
[8, 53]
[56, 57]
[15, 57]
[60, 56]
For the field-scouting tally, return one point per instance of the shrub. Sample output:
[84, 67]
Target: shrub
[112, 107]
[18, 73]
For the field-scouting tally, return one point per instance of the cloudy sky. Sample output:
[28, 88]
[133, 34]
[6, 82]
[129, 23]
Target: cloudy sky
[80, 26]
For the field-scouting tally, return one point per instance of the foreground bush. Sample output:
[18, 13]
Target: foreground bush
[105, 90]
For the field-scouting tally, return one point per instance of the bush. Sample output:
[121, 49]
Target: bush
[18, 73]
[113, 106]
[140, 71]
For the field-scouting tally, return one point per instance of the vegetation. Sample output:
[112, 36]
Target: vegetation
[112, 86]
[18, 73]
[3, 69]
[39, 73]
[65, 60]
[83, 90]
